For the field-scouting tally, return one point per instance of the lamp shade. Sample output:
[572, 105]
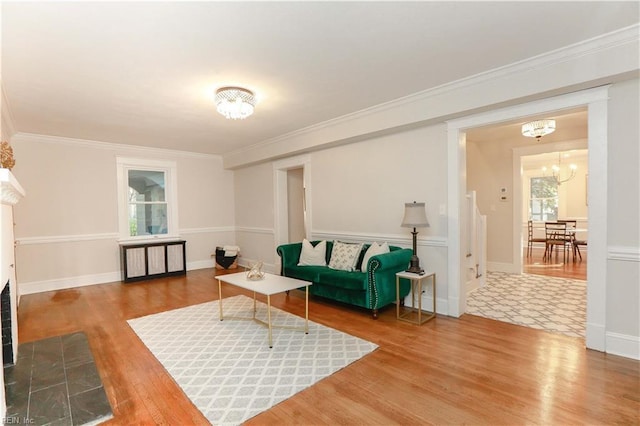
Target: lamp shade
[415, 216]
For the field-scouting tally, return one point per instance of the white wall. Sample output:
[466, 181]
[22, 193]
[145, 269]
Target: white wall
[359, 188]
[254, 215]
[490, 168]
[67, 229]
[623, 268]
[358, 194]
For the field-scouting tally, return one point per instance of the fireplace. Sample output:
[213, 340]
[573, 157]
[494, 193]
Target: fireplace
[10, 193]
[7, 335]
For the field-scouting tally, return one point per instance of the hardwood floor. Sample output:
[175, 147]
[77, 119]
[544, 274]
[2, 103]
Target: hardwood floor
[555, 267]
[448, 371]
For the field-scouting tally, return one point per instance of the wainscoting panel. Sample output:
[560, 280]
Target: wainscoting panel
[46, 263]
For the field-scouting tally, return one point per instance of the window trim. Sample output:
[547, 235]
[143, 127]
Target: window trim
[532, 198]
[124, 164]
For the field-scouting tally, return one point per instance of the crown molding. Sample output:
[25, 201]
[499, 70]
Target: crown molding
[61, 140]
[625, 36]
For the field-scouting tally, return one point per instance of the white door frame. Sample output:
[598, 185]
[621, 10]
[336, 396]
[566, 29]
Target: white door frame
[281, 212]
[596, 102]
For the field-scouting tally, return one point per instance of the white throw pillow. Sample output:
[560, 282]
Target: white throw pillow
[313, 256]
[373, 250]
[344, 256]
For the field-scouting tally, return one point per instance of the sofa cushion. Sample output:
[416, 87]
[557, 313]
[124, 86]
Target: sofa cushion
[344, 256]
[313, 256]
[355, 280]
[365, 247]
[373, 250]
[305, 273]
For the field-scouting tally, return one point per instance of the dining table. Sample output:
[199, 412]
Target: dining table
[570, 230]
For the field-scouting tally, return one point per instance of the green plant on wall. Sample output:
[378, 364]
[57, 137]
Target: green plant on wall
[133, 227]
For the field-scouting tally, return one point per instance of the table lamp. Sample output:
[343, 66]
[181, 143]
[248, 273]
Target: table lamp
[415, 216]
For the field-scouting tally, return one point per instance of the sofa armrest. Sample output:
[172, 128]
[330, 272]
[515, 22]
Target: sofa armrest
[381, 276]
[393, 260]
[289, 255]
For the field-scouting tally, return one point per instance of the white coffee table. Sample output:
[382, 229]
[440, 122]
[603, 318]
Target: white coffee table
[271, 284]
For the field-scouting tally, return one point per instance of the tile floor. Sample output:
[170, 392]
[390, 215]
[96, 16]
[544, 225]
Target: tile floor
[55, 382]
[547, 303]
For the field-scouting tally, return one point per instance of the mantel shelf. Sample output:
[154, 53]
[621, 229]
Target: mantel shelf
[11, 192]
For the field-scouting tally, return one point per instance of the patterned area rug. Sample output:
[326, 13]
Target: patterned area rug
[226, 367]
[547, 303]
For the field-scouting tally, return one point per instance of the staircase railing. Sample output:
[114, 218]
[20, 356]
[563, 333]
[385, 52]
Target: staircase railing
[476, 244]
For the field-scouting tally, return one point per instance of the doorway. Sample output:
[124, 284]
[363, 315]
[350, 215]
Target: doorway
[295, 205]
[553, 188]
[548, 176]
[292, 212]
[595, 100]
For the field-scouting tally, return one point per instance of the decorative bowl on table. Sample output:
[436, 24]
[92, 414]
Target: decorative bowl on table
[255, 273]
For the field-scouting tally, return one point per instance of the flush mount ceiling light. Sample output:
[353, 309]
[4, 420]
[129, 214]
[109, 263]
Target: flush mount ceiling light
[539, 128]
[235, 102]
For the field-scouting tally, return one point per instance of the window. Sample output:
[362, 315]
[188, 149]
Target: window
[146, 199]
[543, 201]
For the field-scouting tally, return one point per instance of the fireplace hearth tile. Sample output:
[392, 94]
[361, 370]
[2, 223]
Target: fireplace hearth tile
[49, 404]
[89, 406]
[82, 378]
[55, 382]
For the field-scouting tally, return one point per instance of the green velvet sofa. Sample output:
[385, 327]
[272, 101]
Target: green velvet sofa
[372, 290]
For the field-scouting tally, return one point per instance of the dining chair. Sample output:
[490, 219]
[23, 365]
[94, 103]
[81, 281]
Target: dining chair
[572, 224]
[576, 247]
[556, 233]
[531, 239]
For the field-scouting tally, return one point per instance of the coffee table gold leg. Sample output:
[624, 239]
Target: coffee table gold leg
[269, 317]
[220, 298]
[254, 305]
[306, 310]
[419, 287]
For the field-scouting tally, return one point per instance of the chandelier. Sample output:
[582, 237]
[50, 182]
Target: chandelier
[556, 171]
[539, 128]
[235, 102]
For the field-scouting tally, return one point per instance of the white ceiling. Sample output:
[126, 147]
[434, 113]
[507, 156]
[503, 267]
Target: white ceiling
[143, 73]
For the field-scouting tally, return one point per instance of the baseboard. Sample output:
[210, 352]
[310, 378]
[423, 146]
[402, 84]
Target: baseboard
[623, 345]
[441, 304]
[266, 267]
[85, 280]
[200, 264]
[68, 282]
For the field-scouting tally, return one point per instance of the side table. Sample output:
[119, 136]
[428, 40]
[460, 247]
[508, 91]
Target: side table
[416, 288]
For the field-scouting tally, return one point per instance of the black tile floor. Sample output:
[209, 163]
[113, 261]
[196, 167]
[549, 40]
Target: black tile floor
[55, 382]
